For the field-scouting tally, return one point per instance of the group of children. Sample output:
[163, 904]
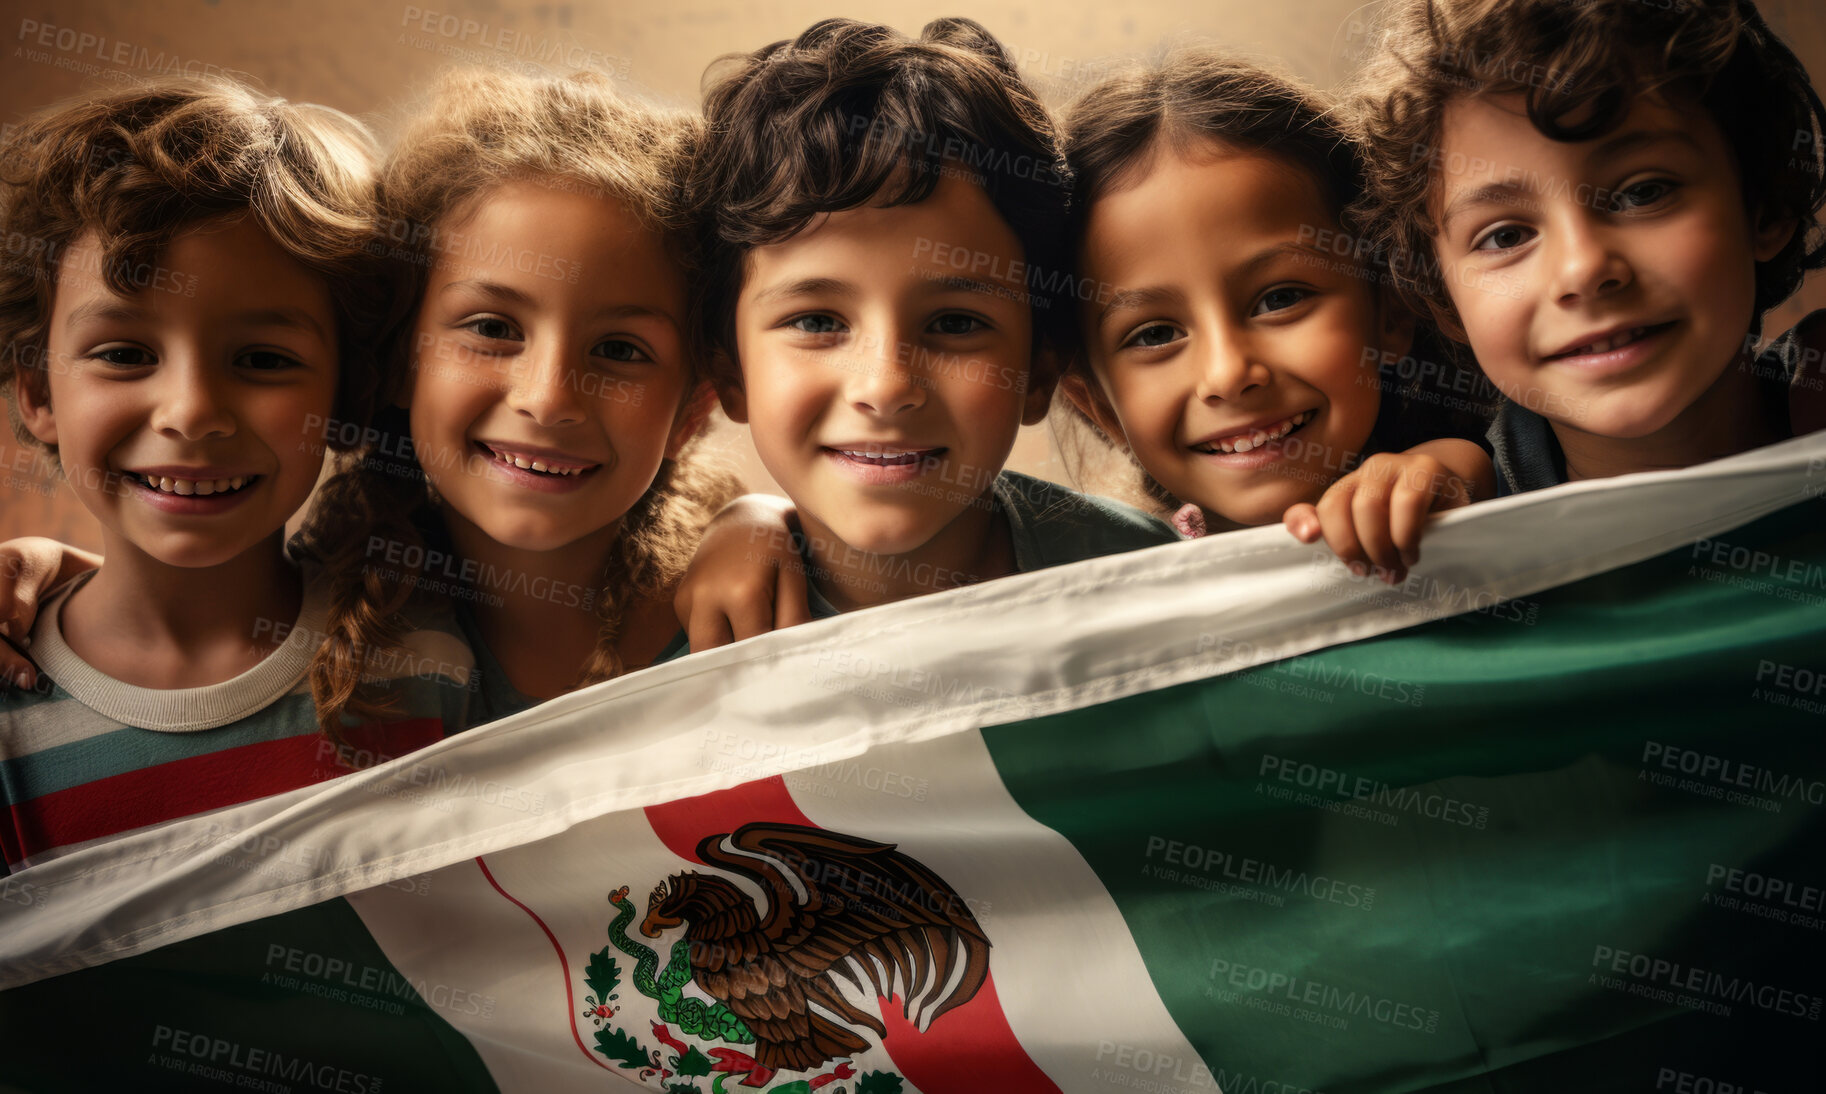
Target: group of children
[884, 255]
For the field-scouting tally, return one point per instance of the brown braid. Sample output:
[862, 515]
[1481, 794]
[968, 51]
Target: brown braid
[372, 499]
[479, 131]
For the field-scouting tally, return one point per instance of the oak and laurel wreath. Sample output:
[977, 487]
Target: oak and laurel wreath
[603, 976]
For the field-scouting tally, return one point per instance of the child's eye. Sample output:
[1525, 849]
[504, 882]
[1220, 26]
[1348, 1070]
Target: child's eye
[265, 360]
[618, 349]
[1503, 237]
[1154, 334]
[124, 356]
[492, 327]
[1279, 300]
[1640, 195]
[815, 324]
[957, 324]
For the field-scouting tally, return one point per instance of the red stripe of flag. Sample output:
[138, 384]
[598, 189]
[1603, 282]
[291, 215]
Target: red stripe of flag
[196, 784]
[970, 1048]
[564, 963]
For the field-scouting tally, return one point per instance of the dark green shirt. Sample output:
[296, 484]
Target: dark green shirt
[1049, 524]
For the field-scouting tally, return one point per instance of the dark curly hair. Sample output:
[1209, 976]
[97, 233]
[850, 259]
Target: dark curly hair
[849, 114]
[1578, 67]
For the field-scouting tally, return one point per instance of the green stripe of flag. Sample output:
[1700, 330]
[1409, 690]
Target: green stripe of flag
[299, 1002]
[1508, 850]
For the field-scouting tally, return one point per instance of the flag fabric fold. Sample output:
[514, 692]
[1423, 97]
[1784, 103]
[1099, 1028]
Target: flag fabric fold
[1210, 816]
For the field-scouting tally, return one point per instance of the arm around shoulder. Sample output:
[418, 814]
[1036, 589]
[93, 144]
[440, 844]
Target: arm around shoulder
[747, 577]
[30, 567]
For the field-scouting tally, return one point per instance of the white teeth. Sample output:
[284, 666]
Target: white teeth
[194, 487]
[897, 456]
[1605, 345]
[526, 464]
[1250, 442]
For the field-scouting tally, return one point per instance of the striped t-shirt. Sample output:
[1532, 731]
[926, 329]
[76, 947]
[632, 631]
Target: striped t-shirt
[84, 756]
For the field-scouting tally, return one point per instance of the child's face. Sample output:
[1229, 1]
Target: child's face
[549, 365]
[1239, 357]
[886, 357]
[189, 415]
[1605, 284]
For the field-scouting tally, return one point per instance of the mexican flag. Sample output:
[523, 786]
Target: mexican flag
[1212, 816]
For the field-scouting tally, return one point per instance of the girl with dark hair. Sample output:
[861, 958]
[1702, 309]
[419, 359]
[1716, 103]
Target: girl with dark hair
[1241, 344]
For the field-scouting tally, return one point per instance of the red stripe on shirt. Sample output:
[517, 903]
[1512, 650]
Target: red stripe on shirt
[197, 784]
[970, 1048]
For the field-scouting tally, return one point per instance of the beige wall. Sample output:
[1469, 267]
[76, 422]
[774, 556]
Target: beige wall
[367, 56]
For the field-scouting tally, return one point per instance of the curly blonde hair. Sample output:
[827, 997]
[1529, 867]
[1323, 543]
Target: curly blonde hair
[481, 130]
[139, 166]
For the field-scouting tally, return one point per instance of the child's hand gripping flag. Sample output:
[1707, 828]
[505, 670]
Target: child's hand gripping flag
[1210, 816]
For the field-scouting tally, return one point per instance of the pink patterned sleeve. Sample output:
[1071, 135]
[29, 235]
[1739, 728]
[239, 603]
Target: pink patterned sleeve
[1189, 522]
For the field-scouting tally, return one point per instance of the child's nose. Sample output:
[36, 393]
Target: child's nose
[1587, 263]
[882, 381]
[1227, 368]
[191, 403]
[546, 389]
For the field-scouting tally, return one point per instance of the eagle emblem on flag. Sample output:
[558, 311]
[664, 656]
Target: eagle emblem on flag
[836, 910]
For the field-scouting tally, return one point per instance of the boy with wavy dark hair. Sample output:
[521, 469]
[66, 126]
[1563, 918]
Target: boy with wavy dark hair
[885, 291]
[1602, 200]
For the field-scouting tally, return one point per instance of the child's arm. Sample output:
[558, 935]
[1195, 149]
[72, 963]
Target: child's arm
[1374, 515]
[29, 568]
[747, 577]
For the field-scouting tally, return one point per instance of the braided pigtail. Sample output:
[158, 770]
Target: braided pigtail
[373, 501]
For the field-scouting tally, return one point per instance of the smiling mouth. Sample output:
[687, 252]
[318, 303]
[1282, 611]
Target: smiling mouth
[890, 457]
[1611, 342]
[1245, 442]
[534, 464]
[185, 488]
